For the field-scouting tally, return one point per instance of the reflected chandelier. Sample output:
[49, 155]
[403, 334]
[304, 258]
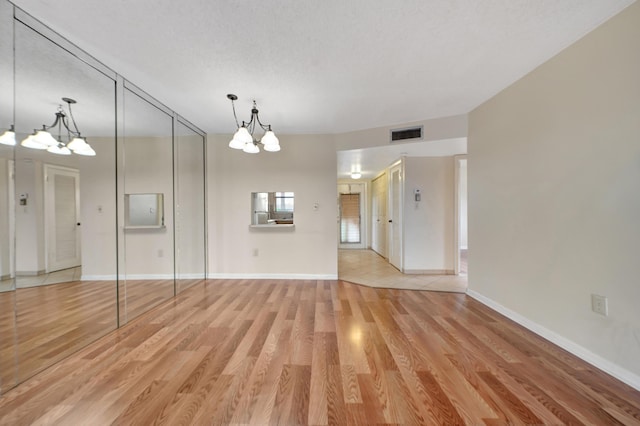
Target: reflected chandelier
[42, 139]
[243, 138]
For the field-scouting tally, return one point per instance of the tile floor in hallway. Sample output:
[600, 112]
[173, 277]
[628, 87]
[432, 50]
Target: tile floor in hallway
[369, 268]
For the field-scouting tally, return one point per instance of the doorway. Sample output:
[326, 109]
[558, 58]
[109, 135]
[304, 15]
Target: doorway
[379, 188]
[352, 220]
[62, 213]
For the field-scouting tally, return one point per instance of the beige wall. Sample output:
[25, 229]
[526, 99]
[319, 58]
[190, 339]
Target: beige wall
[434, 129]
[306, 165]
[429, 224]
[554, 198]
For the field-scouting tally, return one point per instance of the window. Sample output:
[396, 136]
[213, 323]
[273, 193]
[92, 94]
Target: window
[284, 201]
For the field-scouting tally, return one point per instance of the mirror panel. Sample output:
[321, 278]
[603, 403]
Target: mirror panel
[7, 208]
[146, 165]
[189, 207]
[64, 220]
[272, 208]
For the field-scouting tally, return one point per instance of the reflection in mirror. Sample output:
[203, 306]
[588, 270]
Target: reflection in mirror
[144, 211]
[146, 164]
[189, 207]
[7, 208]
[65, 233]
[272, 208]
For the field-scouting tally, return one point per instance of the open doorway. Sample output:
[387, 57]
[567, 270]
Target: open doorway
[352, 226]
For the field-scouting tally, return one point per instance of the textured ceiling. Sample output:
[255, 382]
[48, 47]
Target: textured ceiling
[322, 66]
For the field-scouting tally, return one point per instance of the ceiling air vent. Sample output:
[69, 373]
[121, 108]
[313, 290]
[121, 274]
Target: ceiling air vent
[411, 133]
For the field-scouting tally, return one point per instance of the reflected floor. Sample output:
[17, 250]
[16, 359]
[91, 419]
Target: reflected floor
[63, 276]
[369, 268]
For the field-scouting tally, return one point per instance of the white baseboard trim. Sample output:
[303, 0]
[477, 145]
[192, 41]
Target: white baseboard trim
[429, 271]
[211, 276]
[597, 361]
[140, 277]
[273, 276]
[97, 278]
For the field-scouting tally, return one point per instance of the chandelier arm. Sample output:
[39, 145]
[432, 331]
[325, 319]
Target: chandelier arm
[233, 105]
[73, 120]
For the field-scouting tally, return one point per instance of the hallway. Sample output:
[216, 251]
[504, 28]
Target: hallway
[369, 268]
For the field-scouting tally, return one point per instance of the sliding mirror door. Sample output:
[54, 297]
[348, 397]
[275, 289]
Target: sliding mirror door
[7, 208]
[65, 216]
[146, 182]
[190, 206]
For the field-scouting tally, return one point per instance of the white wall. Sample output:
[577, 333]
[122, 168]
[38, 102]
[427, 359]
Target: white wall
[29, 180]
[429, 224]
[98, 210]
[463, 234]
[148, 253]
[306, 165]
[554, 201]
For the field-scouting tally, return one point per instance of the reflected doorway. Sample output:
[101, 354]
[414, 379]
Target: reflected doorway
[62, 213]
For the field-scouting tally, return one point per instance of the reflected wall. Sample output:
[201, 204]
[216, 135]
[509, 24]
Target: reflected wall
[7, 240]
[190, 226]
[62, 220]
[69, 271]
[146, 155]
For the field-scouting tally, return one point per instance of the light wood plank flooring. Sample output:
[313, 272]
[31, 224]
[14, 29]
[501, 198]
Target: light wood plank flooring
[369, 268]
[319, 352]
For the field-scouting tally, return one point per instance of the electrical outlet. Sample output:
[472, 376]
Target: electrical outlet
[255, 252]
[160, 253]
[599, 305]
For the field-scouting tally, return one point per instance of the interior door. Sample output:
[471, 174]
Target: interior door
[395, 217]
[379, 215]
[62, 217]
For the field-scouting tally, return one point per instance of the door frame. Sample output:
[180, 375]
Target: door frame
[49, 213]
[399, 261]
[456, 256]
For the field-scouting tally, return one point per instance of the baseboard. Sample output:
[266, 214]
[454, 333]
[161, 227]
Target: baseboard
[429, 271]
[211, 276]
[113, 277]
[597, 361]
[273, 276]
[30, 273]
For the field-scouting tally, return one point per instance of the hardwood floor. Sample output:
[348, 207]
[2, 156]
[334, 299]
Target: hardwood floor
[320, 352]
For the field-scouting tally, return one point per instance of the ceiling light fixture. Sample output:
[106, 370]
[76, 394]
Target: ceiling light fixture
[243, 138]
[42, 139]
[8, 137]
[356, 175]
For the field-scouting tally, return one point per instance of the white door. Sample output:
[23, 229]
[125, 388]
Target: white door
[62, 217]
[395, 216]
[379, 190]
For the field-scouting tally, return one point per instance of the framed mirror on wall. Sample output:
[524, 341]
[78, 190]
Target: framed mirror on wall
[146, 164]
[65, 282]
[8, 366]
[190, 205]
[69, 273]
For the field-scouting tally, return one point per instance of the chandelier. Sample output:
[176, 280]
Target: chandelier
[42, 139]
[243, 138]
[8, 137]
